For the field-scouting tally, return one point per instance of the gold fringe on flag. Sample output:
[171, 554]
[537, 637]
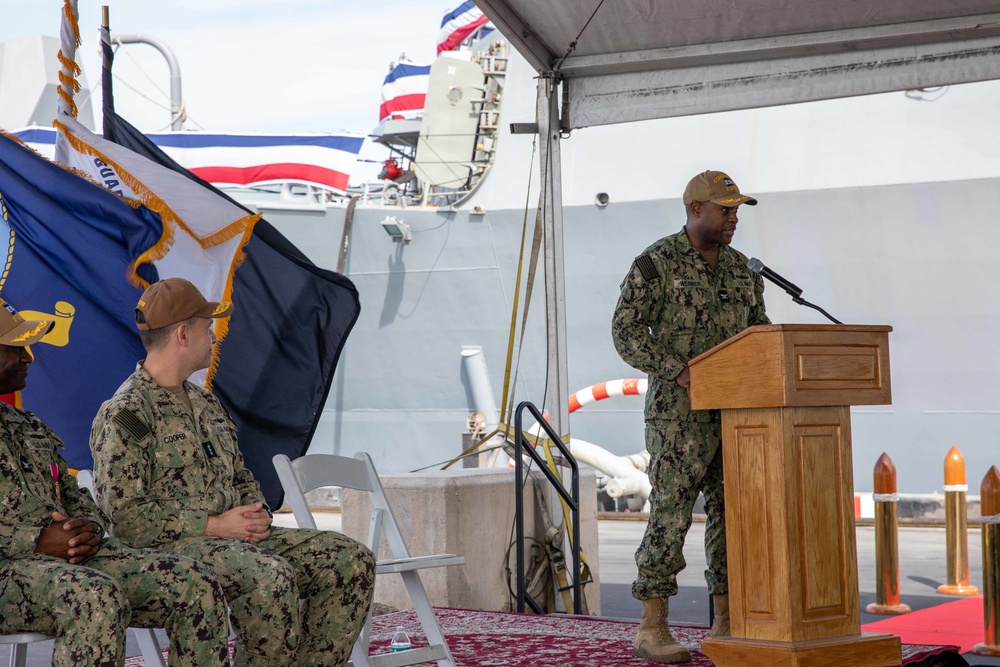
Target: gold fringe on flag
[73, 21]
[68, 80]
[158, 251]
[134, 203]
[68, 99]
[68, 64]
[10, 243]
[242, 227]
[232, 230]
[154, 203]
[68, 85]
[222, 324]
[14, 137]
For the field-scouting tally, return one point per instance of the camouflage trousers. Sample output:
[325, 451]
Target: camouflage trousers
[685, 457]
[88, 607]
[333, 575]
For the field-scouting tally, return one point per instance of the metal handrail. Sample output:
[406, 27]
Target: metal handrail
[572, 499]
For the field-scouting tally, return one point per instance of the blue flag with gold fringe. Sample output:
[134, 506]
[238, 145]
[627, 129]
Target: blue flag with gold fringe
[70, 246]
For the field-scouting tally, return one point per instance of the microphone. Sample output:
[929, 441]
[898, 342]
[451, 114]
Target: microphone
[758, 267]
[794, 290]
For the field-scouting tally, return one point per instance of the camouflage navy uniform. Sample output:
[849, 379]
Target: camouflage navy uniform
[673, 307]
[88, 607]
[161, 469]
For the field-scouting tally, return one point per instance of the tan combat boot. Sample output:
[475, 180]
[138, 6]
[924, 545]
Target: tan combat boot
[720, 622]
[654, 641]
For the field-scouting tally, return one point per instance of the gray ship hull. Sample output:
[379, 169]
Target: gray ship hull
[876, 255]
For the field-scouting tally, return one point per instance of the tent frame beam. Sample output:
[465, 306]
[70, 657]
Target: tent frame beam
[790, 46]
[520, 34]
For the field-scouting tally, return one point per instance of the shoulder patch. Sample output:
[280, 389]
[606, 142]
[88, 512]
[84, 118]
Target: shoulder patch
[132, 425]
[646, 267]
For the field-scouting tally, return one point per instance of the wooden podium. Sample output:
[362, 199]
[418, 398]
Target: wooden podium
[785, 392]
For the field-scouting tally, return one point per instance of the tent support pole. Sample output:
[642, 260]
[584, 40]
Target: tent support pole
[557, 393]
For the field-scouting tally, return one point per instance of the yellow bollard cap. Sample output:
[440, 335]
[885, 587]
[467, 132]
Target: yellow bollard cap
[954, 467]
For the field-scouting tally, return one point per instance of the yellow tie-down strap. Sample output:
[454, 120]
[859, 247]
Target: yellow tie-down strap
[585, 575]
[508, 431]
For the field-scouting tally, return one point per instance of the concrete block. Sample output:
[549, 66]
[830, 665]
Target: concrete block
[469, 512]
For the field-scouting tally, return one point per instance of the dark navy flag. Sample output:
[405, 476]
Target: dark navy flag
[69, 248]
[290, 323]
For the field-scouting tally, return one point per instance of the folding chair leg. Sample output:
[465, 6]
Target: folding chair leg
[359, 655]
[18, 655]
[359, 652]
[422, 605]
[149, 647]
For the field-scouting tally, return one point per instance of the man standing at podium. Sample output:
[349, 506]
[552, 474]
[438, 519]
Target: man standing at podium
[683, 295]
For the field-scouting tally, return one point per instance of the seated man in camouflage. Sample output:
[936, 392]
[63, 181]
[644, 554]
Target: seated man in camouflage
[170, 474]
[58, 575]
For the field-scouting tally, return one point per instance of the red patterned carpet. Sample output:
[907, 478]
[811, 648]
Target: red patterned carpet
[498, 639]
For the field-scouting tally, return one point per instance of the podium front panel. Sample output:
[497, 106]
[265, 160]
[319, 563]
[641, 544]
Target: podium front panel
[818, 453]
[790, 523]
[827, 371]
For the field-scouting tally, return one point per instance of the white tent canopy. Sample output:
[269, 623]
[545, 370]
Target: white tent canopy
[613, 61]
[629, 60]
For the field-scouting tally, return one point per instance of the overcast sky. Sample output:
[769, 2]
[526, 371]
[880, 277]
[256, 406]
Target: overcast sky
[251, 65]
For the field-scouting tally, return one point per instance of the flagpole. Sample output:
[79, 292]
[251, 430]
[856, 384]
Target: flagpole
[107, 61]
[69, 40]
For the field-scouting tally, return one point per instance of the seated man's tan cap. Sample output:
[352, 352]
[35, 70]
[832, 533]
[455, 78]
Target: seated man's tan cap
[716, 187]
[16, 331]
[173, 300]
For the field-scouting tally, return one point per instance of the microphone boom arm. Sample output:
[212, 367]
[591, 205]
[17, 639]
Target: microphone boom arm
[802, 302]
[794, 291]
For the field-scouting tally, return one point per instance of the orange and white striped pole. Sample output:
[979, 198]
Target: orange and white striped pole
[956, 525]
[609, 389]
[886, 541]
[594, 393]
[989, 497]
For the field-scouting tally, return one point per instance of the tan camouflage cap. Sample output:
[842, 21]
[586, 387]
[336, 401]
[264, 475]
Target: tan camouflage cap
[16, 331]
[174, 300]
[716, 187]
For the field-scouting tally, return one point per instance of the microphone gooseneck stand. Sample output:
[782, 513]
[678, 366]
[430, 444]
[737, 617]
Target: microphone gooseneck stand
[802, 302]
[757, 266]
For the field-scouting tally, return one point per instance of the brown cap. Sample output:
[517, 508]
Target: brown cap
[19, 332]
[716, 187]
[174, 300]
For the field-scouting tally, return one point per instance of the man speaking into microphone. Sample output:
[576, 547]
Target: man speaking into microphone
[683, 295]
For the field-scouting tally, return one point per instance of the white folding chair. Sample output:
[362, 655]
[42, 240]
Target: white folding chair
[149, 646]
[19, 645]
[317, 470]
